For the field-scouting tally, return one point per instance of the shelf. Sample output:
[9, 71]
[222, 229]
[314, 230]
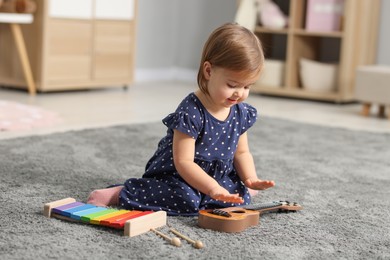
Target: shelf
[299, 93]
[261, 29]
[16, 18]
[352, 45]
[303, 32]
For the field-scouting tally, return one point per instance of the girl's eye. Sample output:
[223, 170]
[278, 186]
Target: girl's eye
[231, 86]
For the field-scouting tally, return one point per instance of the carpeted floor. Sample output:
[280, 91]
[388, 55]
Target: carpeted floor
[341, 177]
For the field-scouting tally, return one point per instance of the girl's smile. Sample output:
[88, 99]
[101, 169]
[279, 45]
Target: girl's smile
[233, 101]
[226, 87]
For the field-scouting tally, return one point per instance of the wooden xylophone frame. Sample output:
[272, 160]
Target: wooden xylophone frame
[132, 227]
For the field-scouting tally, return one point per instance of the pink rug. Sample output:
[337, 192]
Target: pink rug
[15, 116]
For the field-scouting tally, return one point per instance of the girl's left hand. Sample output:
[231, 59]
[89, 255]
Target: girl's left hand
[220, 193]
[257, 184]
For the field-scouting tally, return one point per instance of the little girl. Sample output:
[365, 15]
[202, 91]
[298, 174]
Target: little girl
[204, 160]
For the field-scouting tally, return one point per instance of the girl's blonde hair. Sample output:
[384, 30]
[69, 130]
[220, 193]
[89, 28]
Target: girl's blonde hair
[232, 47]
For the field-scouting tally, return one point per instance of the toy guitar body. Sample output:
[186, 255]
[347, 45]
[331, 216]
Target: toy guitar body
[233, 220]
[237, 219]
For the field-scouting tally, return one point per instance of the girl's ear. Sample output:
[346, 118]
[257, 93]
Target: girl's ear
[207, 70]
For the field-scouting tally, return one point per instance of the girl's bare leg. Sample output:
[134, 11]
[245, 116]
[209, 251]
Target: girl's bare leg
[105, 197]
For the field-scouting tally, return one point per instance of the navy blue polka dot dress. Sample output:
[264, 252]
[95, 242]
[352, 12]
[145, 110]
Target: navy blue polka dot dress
[162, 188]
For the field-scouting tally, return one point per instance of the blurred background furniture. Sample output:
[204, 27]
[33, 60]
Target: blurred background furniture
[76, 44]
[348, 43]
[15, 20]
[372, 87]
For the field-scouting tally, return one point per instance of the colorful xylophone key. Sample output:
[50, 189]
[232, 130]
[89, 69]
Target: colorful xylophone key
[120, 221]
[132, 221]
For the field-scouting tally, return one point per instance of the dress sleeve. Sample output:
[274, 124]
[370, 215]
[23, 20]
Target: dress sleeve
[249, 117]
[184, 122]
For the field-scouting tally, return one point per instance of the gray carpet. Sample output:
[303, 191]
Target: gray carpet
[341, 177]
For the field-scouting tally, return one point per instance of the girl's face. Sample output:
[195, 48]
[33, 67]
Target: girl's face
[226, 87]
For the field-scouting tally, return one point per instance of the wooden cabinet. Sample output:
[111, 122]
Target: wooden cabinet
[76, 44]
[353, 44]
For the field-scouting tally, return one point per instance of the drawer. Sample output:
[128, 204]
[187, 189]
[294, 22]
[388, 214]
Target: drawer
[68, 68]
[69, 49]
[69, 37]
[113, 37]
[112, 65]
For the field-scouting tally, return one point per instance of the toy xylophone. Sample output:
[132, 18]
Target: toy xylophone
[133, 222]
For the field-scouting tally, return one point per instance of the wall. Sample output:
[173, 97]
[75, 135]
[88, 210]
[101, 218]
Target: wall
[383, 55]
[171, 34]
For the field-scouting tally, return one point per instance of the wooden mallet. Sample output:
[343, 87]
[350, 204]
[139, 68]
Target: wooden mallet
[197, 244]
[174, 241]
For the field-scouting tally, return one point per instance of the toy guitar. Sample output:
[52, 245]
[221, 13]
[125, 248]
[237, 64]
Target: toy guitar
[236, 219]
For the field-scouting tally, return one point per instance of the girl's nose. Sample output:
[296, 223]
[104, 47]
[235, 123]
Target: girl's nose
[237, 93]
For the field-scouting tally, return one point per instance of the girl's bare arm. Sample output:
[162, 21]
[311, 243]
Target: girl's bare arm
[193, 174]
[245, 166]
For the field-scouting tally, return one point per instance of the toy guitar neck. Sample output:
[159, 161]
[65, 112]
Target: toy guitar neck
[279, 206]
[236, 219]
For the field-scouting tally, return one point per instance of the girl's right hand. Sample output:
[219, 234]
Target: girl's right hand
[220, 193]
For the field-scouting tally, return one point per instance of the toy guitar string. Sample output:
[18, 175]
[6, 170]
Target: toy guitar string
[275, 205]
[264, 206]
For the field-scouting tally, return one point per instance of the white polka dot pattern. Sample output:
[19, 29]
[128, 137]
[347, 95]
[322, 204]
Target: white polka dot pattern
[162, 188]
